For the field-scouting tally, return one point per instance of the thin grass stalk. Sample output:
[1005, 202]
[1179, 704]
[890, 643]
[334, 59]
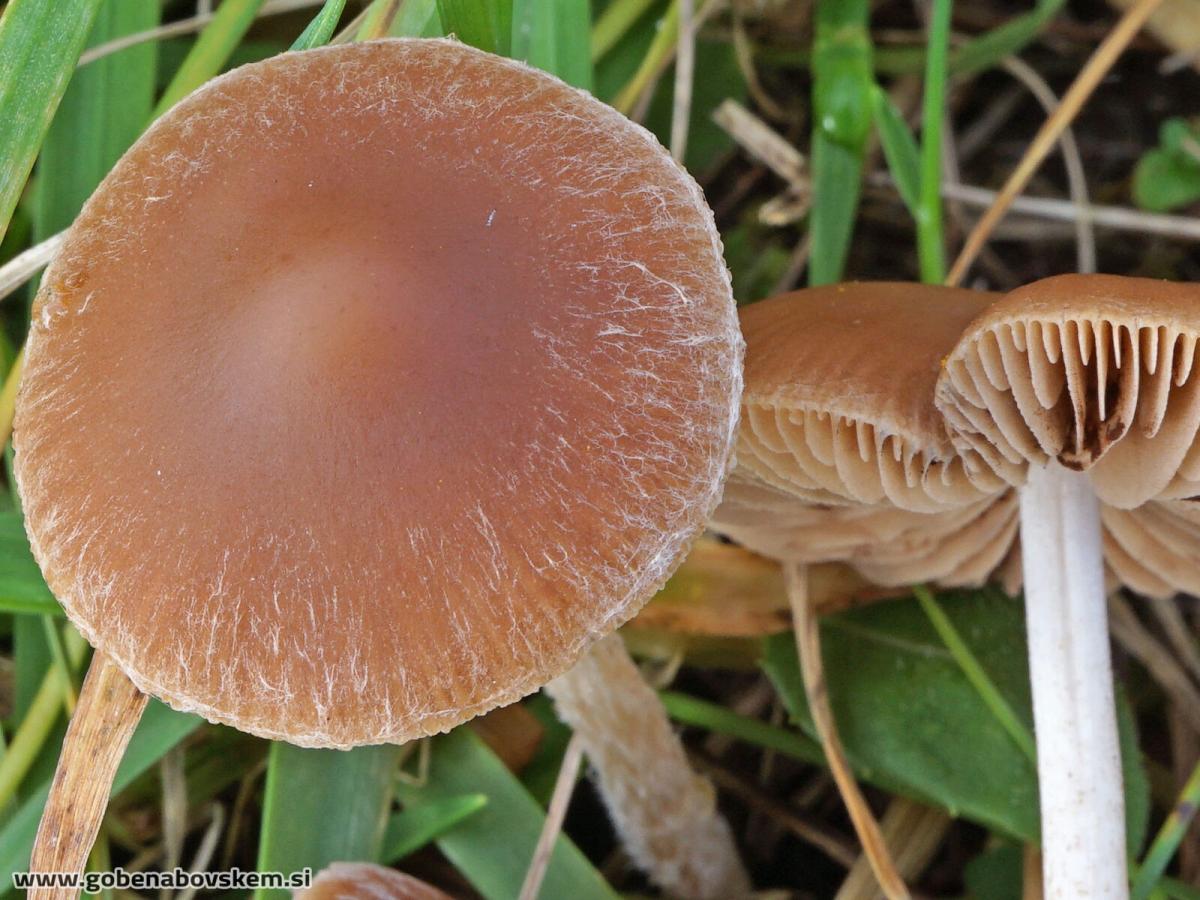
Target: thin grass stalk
[110, 707]
[1081, 89]
[808, 646]
[556, 812]
[931, 251]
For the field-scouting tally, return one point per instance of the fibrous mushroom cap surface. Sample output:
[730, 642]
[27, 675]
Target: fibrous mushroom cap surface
[372, 385]
[1094, 371]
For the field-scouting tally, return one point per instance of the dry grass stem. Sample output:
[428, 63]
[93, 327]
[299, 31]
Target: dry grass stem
[770, 148]
[685, 71]
[1119, 218]
[1140, 643]
[1087, 80]
[1085, 235]
[1168, 615]
[181, 27]
[174, 809]
[836, 848]
[914, 831]
[560, 799]
[8, 395]
[381, 24]
[207, 848]
[808, 645]
[109, 710]
[744, 53]
[1031, 873]
[28, 263]
[762, 142]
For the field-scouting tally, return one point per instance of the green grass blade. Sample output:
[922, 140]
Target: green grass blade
[378, 19]
[540, 774]
[26, 606]
[103, 111]
[39, 720]
[842, 84]
[1168, 839]
[161, 729]
[614, 23]
[211, 50]
[321, 28]
[657, 55]
[975, 673]
[837, 180]
[1177, 890]
[984, 52]
[322, 806]
[702, 714]
[39, 45]
[22, 588]
[486, 24]
[492, 848]
[975, 55]
[414, 827]
[418, 18]
[31, 659]
[931, 250]
[554, 35]
[899, 149]
[912, 722]
[224, 757]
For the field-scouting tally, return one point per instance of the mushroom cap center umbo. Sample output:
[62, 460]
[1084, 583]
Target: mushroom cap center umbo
[372, 385]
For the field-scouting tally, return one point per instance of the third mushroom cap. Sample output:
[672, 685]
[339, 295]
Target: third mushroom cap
[842, 455]
[1079, 389]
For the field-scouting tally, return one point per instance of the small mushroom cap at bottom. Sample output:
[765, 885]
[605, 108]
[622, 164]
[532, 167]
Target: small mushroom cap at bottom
[839, 395]
[373, 385]
[890, 547]
[366, 881]
[1094, 371]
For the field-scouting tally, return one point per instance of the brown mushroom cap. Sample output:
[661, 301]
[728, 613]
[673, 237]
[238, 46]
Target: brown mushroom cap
[372, 385]
[1154, 549]
[838, 405]
[888, 546]
[842, 455]
[1095, 371]
[367, 881]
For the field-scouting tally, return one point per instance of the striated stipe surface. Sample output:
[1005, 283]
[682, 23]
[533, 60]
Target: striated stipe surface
[373, 385]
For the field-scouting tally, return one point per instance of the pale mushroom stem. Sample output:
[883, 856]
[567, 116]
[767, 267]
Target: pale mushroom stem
[108, 711]
[812, 670]
[1078, 754]
[664, 813]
